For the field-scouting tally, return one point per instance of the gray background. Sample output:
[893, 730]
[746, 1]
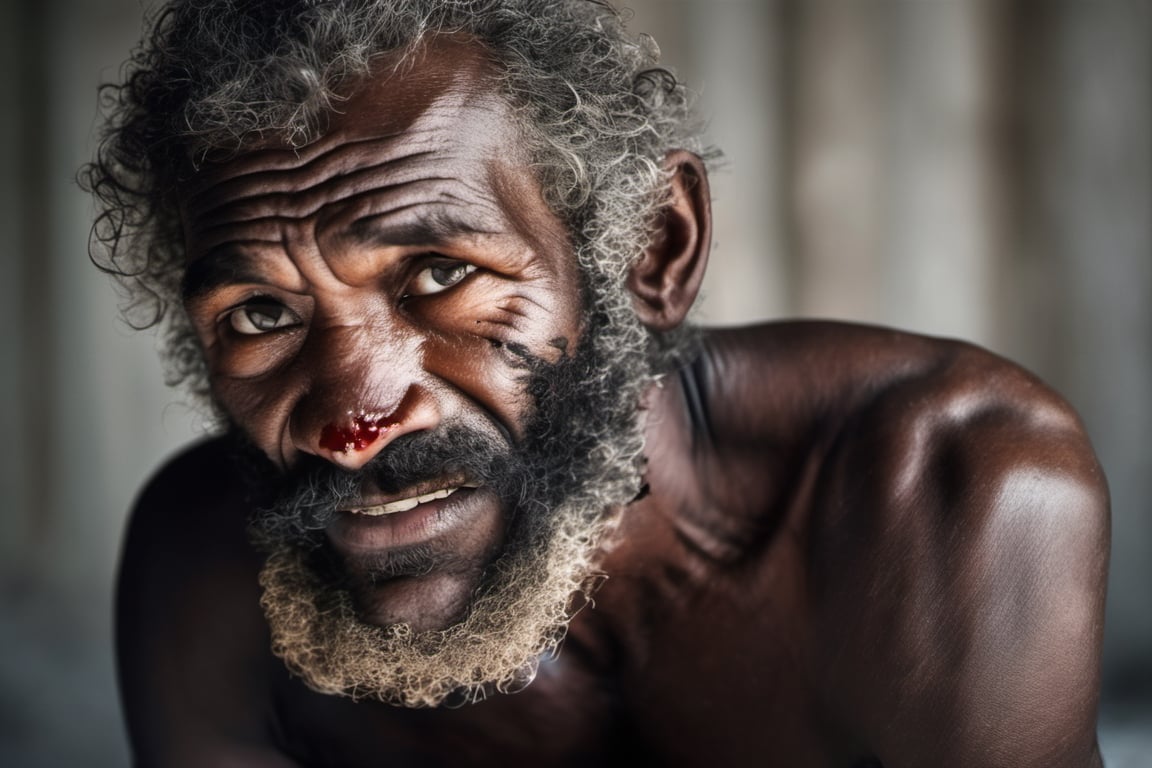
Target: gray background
[978, 169]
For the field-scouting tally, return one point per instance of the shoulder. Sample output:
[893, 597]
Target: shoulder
[958, 536]
[191, 513]
[203, 472]
[792, 378]
[191, 642]
[855, 387]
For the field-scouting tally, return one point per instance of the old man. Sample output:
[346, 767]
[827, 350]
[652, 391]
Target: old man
[482, 496]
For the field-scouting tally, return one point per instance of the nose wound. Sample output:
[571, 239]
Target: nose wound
[364, 391]
[363, 432]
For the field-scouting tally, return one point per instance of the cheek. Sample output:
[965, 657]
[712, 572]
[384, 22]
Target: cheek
[252, 357]
[257, 406]
[484, 373]
[537, 316]
[481, 340]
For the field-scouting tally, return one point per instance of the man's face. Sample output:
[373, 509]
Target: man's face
[382, 299]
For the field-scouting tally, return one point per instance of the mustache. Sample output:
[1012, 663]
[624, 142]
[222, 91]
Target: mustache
[303, 501]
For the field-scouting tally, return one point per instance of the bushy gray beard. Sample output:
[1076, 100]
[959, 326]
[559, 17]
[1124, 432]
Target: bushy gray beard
[579, 463]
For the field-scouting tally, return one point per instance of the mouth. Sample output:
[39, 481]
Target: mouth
[445, 509]
[405, 504]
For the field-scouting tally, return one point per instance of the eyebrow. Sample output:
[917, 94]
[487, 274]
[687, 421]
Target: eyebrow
[218, 267]
[429, 228]
[227, 265]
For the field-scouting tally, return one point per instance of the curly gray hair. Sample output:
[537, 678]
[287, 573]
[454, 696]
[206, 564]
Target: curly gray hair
[598, 115]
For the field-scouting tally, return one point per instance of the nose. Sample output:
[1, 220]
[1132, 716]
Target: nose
[355, 437]
[362, 395]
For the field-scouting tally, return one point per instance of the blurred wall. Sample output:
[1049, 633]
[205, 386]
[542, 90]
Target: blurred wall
[84, 412]
[975, 168]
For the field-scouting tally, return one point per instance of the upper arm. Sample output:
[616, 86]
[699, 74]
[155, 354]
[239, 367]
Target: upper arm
[191, 645]
[961, 564]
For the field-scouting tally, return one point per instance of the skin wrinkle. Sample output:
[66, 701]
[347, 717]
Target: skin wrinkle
[580, 384]
[305, 248]
[510, 308]
[341, 167]
[467, 216]
[384, 198]
[268, 161]
[340, 163]
[730, 592]
[466, 385]
[638, 129]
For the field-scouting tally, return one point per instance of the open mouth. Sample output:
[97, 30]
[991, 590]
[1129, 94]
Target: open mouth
[403, 505]
[451, 511]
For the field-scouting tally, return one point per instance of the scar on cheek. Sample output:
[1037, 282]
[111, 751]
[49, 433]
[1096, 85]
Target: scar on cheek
[363, 432]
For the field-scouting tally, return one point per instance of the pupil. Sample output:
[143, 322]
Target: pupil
[264, 317]
[446, 275]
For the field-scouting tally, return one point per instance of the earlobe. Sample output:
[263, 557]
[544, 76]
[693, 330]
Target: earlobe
[666, 279]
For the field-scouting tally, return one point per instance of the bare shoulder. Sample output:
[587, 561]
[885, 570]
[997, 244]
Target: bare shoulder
[191, 641]
[958, 531]
[190, 516]
[859, 386]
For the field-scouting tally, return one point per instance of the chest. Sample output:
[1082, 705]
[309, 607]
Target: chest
[566, 717]
[708, 686]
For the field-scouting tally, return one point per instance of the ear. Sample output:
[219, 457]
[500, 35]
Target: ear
[666, 279]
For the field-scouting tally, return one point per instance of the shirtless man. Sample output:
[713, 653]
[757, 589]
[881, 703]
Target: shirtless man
[482, 498]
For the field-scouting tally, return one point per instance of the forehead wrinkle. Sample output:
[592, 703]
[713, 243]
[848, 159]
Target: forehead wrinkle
[456, 123]
[454, 205]
[340, 152]
[336, 211]
[296, 197]
[417, 213]
[283, 193]
[202, 240]
[252, 168]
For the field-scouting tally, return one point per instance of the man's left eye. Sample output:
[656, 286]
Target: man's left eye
[439, 277]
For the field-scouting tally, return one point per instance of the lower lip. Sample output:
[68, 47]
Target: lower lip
[353, 533]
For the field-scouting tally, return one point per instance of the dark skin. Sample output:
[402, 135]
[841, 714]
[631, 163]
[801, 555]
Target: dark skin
[860, 547]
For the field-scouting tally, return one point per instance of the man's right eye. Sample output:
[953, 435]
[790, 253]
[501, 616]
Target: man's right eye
[258, 317]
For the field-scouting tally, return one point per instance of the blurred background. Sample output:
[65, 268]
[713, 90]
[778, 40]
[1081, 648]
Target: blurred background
[970, 168]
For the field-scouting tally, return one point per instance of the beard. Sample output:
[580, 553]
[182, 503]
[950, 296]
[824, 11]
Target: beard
[562, 486]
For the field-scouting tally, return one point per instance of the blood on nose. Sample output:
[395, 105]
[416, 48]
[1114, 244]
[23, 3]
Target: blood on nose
[362, 433]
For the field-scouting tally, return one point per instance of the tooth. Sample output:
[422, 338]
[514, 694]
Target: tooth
[405, 504]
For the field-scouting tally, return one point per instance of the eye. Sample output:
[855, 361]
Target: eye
[439, 276]
[261, 316]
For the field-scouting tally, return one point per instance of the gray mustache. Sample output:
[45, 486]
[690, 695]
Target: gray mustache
[309, 495]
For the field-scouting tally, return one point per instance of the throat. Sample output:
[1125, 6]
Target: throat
[709, 499]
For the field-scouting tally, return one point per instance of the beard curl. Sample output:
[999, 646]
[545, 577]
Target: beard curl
[519, 620]
[564, 486]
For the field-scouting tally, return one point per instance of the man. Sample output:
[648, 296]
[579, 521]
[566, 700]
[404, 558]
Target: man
[482, 498]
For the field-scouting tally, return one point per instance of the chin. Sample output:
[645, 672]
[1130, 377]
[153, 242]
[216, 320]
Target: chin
[430, 603]
[455, 634]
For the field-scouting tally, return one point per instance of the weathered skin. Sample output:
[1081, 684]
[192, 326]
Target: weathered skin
[860, 547]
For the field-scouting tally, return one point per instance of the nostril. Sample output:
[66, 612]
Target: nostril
[362, 433]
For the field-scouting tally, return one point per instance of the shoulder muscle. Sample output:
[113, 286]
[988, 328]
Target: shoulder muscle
[961, 545]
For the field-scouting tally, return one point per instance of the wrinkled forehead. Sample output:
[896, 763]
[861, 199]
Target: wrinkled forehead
[442, 95]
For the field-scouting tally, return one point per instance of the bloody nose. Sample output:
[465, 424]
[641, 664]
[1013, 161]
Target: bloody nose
[363, 432]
